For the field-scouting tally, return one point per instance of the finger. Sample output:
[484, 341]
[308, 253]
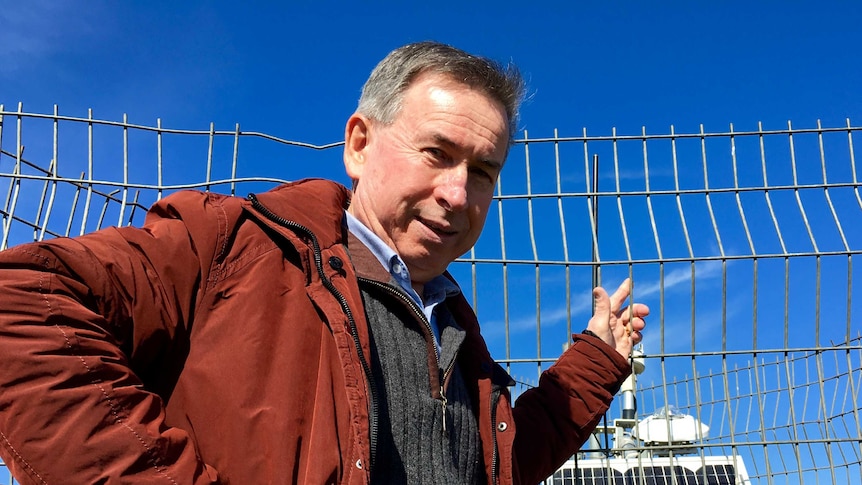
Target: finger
[633, 312]
[637, 324]
[619, 296]
[639, 310]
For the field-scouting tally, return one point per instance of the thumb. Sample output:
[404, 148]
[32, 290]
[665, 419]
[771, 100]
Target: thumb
[600, 322]
[602, 305]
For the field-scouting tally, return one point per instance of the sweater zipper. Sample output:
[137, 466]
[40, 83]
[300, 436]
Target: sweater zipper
[345, 307]
[444, 374]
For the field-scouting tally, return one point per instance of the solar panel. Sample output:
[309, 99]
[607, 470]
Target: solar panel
[680, 470]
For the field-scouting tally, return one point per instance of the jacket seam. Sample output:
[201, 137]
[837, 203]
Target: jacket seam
[95, 382]
[222, 272]
[221, 217]
[221, 244]
[21, 459]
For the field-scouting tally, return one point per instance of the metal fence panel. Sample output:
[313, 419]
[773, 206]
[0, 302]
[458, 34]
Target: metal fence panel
[742, 241]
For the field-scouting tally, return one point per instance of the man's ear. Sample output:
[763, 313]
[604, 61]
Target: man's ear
[356, 139]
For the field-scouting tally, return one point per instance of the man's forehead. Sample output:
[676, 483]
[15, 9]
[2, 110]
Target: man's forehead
[446, 80]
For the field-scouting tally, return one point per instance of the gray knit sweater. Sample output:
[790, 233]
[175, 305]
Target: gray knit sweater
[413, 446]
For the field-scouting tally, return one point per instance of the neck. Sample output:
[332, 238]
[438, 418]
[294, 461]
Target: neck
[419, 288]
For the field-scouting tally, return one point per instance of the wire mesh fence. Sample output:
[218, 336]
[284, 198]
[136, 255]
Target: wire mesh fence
[742, 242]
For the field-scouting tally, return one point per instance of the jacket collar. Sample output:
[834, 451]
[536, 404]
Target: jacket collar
[316, 204]
[365, 262]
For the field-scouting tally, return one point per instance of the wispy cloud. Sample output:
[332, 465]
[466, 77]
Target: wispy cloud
[523, 318]
[581, 302]
[679, 276]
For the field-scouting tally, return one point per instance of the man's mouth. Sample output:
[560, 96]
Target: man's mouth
[443, 229]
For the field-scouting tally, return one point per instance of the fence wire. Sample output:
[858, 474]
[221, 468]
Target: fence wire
[742, 241]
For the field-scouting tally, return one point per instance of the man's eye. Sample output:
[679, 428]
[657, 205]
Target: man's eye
[438, 154]
[482, 174]
[435, 152]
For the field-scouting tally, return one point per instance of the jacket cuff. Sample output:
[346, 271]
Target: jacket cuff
[600, 348]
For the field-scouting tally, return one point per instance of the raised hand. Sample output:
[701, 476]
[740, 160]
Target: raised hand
[619, 326]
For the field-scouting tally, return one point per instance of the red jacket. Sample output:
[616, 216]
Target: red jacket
[221, 343]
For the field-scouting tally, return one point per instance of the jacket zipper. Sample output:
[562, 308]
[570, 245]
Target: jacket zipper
[318, 263]
[442, 374]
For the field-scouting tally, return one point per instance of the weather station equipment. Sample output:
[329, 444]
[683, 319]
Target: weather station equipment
[660, 449]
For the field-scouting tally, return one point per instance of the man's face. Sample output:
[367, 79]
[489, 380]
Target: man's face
[425, 181]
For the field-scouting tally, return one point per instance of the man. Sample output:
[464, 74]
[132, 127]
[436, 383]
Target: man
[306, 334]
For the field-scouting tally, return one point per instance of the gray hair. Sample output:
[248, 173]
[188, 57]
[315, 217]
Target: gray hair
[383, 92]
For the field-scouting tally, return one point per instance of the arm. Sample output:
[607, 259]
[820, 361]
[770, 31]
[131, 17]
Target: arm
[76, 316]
[555, 418]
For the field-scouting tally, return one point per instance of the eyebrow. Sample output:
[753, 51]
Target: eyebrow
[488, 162]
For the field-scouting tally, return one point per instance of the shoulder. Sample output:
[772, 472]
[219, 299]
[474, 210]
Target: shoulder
[307, 200]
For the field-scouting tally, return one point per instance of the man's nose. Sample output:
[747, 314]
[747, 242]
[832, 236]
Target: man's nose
[452, 189]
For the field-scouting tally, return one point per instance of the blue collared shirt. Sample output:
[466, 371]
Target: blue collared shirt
[435, 291]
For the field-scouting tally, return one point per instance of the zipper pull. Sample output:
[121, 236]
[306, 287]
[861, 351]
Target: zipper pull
[443, 399]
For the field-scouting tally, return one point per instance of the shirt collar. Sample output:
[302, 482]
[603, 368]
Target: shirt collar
[436, 290]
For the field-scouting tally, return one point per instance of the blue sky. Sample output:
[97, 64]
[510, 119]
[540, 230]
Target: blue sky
[294, 70]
